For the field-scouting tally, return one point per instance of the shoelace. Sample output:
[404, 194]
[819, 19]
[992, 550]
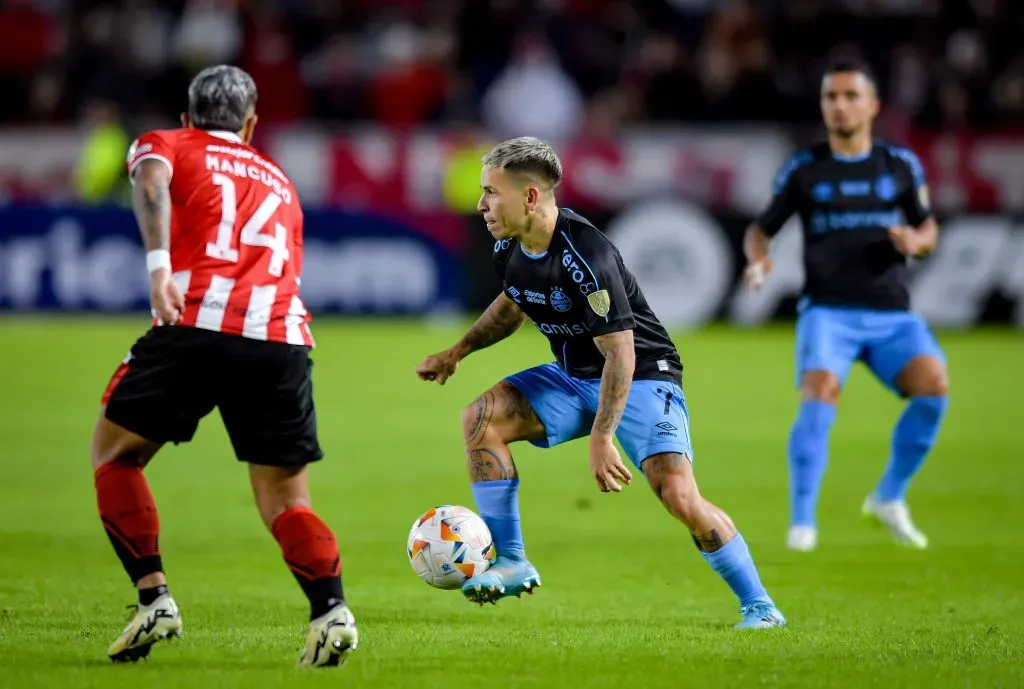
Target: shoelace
[762, 610]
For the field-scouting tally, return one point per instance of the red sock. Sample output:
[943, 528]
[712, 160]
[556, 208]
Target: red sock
[311, 553]
[129, 517]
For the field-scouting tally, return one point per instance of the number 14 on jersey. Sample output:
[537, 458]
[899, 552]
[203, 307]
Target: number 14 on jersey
[252, 231]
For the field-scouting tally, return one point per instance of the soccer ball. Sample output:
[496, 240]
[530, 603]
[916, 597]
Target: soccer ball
[449, 544]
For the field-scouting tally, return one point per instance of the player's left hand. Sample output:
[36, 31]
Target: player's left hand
[755, 273]
[607, 466]
[905, 239]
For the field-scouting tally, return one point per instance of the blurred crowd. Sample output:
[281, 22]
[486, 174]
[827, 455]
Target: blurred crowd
[552, 67]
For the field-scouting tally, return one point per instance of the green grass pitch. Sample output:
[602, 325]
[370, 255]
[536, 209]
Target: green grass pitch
[626, 599]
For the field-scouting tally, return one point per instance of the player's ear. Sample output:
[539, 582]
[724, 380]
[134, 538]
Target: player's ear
[532, 197]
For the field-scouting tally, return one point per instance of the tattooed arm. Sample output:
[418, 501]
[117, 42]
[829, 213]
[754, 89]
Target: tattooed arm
[616, 380]
[619, 361]
[502, 318]
[151, 201]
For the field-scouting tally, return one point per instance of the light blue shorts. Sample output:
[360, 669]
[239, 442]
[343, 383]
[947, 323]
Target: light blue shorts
[833, 338]
[655, 419]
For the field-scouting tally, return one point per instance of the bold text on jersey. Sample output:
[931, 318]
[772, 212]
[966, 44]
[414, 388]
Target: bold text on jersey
[569, 262]
[262, 171]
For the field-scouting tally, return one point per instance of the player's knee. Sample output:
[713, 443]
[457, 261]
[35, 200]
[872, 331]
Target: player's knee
[102, 453]
[271, 509]
[672, 479]
[103, 456]
[111, 443]
[682, 499]
[924, 377]
[493, 417]
[936, 385]
[821, 386]
[278, 489]
[475, 420]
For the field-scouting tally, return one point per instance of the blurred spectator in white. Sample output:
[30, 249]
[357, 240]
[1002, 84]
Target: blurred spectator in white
[209, 32]
[147, 28]
[533, 96]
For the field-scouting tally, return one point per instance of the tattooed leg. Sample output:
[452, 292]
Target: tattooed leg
[498, 417]
[487, 465]
[671, 478]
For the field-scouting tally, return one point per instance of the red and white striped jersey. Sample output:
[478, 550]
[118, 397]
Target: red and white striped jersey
[236, 235]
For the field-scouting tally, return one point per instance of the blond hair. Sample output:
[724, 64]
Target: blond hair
[526, 155]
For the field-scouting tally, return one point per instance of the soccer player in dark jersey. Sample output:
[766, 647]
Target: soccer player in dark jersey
[864, 209]
[616, 374]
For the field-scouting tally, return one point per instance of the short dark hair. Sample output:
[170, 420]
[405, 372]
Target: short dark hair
[220, 98]
[850, 64]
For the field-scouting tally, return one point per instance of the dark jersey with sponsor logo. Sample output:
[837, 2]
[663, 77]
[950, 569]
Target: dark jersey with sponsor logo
[846, 206]
[580, 289]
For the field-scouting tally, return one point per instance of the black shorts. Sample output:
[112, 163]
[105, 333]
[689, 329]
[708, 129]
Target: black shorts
[174, 376]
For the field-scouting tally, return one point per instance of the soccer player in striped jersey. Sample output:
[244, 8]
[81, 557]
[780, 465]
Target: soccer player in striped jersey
[865, 210]
[222, 226]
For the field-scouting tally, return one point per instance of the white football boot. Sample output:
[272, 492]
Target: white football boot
[332, 637]
[895, 516]
[802, 537]
[151, 623]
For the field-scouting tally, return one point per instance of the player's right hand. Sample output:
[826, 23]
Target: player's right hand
[606, 465]
[756, 272]
[165, 297]
[438, 367]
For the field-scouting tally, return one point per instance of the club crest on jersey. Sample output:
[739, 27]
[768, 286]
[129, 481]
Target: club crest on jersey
[885, 187]
[559, 300]
[600, 302]
[822, 191]
[136, 150]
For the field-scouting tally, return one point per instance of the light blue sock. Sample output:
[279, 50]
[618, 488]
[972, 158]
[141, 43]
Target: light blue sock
[498, 504]
[808, 457]
[913, 437]
[733, 563]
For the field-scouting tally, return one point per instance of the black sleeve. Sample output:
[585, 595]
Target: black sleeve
[784, 195]
[915, 203]
[593, 263]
